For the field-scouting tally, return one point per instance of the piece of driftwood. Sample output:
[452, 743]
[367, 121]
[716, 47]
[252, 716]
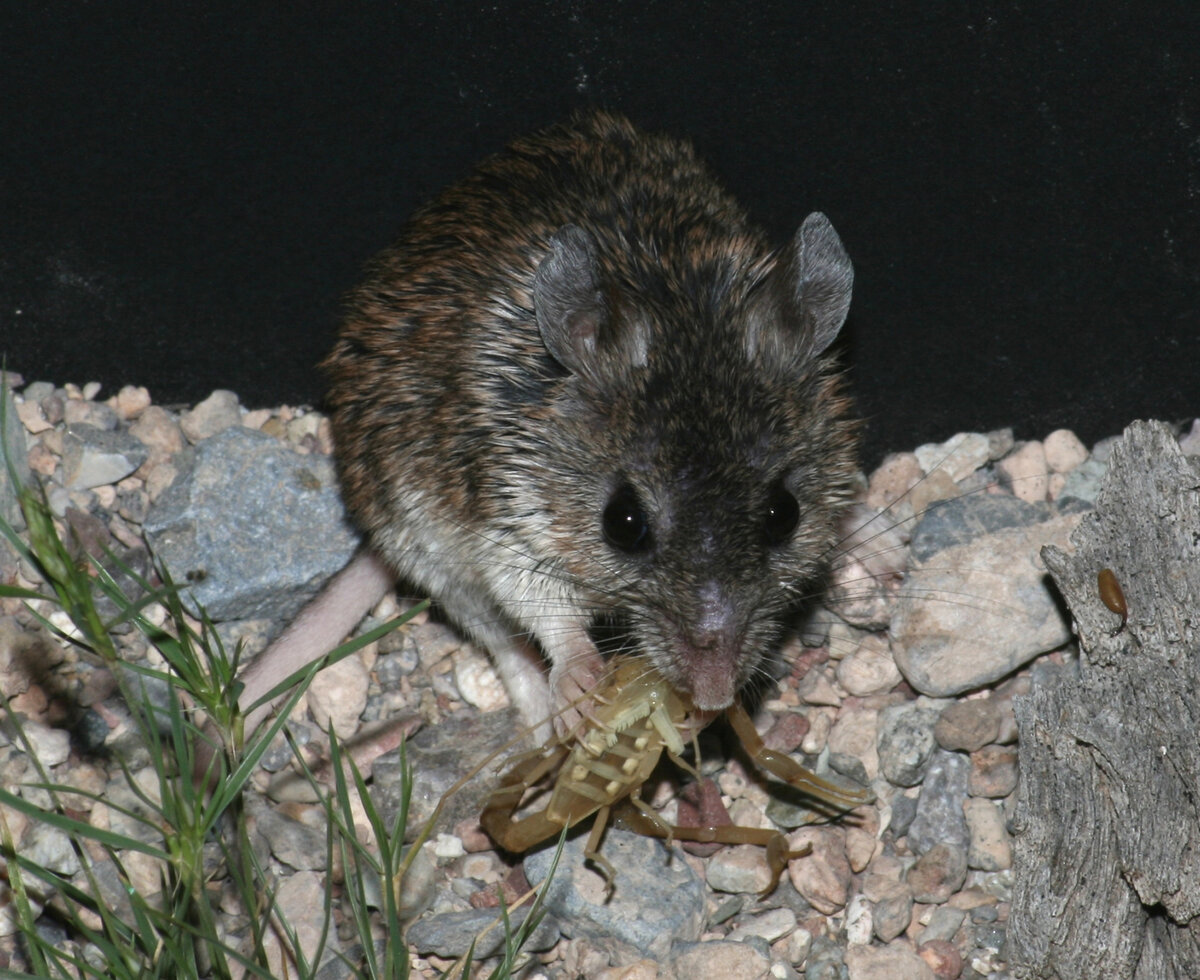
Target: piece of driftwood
[1107, 850]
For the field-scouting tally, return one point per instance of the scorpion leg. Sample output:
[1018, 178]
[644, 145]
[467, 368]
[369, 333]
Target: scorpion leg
[641, 819]
[591, 851]
[789, 770]
[497, 815]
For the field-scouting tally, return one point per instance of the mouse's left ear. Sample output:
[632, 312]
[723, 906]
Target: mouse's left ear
[578, 326]
[810, 286]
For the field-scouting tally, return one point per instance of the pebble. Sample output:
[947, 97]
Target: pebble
[823, 876]
[893, 905]
[990, 846]
[980, 610]
[130, 402]
[958, 457]
[52, 746]
[771, 926]
[938, 874]
[93, 457]
[892, 480]
[939, 817]
[869, 669]
[943, 958]
[299, 900]
[478, 682]
[218, 412]
[993, 771]
[1063, 451]
[854, 733]
[1025, 472]
[656, 900]
[906, 740]
[740, 870]
[965, 726]
[237, 524]
[886, 963]
[338, 695]
[450, 934]
[720, 958]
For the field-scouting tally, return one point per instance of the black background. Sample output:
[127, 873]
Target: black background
[187, 192]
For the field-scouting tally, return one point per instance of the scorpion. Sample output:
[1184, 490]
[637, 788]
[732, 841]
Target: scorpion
[634, 718]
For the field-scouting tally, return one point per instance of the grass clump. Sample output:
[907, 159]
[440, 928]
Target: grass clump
[170, 886]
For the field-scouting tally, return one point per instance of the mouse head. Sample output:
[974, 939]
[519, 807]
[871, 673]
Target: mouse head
[705, 447]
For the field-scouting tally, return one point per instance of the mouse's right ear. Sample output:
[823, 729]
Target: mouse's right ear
[573, 316]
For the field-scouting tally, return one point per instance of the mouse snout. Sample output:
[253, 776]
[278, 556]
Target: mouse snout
[709, 650]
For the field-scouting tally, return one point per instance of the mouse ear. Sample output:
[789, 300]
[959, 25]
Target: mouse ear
[812, 284]
[575, 320]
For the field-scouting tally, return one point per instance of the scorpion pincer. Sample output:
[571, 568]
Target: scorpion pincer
[634, 718]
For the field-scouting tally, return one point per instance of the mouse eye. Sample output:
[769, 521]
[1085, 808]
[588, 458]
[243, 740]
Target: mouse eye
[783, 514]
[625, 524]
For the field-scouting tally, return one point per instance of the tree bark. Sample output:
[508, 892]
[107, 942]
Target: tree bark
[1107, 855]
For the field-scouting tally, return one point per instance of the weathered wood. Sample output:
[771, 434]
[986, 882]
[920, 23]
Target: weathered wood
[1107, 853]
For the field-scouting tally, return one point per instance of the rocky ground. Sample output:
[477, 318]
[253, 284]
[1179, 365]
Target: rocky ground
[904, 681]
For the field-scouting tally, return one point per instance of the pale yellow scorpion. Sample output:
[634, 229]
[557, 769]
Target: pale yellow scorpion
[634, 718]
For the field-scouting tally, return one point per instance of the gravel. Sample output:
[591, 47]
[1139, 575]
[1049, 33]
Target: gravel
[911, 691]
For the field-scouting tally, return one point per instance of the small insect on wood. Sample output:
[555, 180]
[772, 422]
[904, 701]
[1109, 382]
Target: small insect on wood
[1113, 597]
[633, 720]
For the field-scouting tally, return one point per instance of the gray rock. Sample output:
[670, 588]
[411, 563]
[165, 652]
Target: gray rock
[440, 755]
[295, 844]
[657, 899]
[939, 818]
[255, 527]
[949, 523]
[450, 934]
[1083, 482]
[980, 610]
[906, 741]
[938, 874]
[966, 726]
[94, 457]
[943, 924]
[826, 961]
[730, 960]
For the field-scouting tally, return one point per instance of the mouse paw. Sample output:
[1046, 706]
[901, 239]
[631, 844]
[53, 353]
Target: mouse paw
[571, 686]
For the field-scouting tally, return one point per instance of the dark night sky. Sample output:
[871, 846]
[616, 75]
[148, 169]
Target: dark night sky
[185, 196]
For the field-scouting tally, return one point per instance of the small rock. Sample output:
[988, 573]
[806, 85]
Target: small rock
[869, 669]
[1083, 482]
[215, 414]
[157, 429]
[888, 963]
[943, 924]
[816, 688]
[51, 745]
[740, 870]
[49, 847]
[33, 418]
[656, 899]
[893, 904]
[860, 848]
[478, 682]
[895, 477]
[254, 527]
[943, 959]
[997, 612]
[859, 921]
[130, 402]
[299, 901]
[1025, 471]
[95, 414]
[991, 847]
[938, 874]
[906, 741]
[823, 876]
[1063, 451]
[338, 695]
[295, 844]
[939, 818]
[993, 772]
[854, 733]
[1189, 442]
[720, 958]
[770, 926]
[966, 518]
[93, 457]
[965, 726]
[787, 733]
[450, 934]
[958, 457]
